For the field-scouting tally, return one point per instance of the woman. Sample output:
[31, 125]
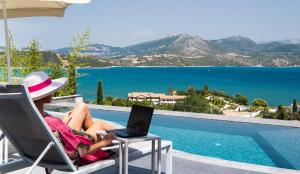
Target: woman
[81, 147]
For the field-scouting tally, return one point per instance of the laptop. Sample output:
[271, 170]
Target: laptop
[138, 123]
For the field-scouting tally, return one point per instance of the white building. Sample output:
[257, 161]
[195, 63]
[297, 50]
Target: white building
[156, 98]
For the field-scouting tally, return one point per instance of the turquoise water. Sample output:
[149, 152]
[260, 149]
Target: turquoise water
[242, 142]
[276, 85]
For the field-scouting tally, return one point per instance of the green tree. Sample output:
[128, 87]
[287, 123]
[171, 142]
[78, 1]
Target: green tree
[119, 102]
[243, 100]
[79, 43]
[191, 91]
[14, 56]
[32, 60]
[100, 93]
[194, 103]
[259, 103]
[72, 79]
[205, 89]
[3, 69]
[281, 112]
[108, 100]
[56, 71]
[295, 106]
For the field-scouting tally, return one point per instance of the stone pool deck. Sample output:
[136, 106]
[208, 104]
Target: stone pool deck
[183, 163]
[189, 163]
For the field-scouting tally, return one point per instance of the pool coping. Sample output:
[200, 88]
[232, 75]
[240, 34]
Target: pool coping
[287, 123]
[196, 157]
[232, 164]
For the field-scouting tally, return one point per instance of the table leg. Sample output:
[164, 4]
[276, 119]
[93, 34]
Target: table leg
[5, 150]
[126, 158]
[120, 158]
[159, 156]
[1, 150]
[169, 160]
[153, 157]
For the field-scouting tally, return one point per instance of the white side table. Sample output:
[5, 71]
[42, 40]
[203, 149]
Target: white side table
[3, 148]
[123, 152]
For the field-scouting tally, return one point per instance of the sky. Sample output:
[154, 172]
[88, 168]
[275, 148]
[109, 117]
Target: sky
[127, 22]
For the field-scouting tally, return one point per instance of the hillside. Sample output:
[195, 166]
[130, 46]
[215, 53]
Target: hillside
[187, 50]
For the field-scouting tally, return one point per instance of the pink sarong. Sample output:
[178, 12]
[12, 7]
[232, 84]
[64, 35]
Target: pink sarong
[75, 145]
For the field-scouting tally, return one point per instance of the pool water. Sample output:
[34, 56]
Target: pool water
[243, 142]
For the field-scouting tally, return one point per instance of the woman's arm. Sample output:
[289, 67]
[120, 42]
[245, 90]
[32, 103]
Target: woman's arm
[107, 140]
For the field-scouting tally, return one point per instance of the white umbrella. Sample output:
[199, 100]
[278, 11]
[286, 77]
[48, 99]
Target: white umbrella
[27, 8]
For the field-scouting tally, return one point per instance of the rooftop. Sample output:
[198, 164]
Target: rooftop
[154, 95]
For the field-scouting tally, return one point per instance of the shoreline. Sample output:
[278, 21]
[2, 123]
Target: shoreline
[191, 72]
[107, 67]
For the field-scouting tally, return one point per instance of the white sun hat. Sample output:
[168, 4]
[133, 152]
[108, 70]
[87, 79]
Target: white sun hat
[40, 85]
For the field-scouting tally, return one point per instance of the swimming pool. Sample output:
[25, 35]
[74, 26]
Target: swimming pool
[267, 145]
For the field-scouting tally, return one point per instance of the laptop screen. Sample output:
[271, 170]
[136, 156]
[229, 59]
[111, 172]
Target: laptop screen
[140, 118]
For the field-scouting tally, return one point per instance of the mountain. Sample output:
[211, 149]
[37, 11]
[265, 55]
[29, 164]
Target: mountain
[98, 50]
[185, 49]
[182, 45]
[289, 41]
[235, 43]
[279, 47]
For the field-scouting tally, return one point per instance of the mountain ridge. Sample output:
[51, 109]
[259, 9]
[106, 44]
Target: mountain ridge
[181, 48]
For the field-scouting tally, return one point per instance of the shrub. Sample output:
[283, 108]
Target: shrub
[100, 93]
[243, 100]
[193, 104]
[259, 103]
[119, 102]
[281, 113]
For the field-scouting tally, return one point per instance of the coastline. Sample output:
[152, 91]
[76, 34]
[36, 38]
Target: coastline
[253, 82]
[107, 67]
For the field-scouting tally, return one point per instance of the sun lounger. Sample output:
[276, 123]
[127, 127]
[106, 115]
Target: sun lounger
[25, 128]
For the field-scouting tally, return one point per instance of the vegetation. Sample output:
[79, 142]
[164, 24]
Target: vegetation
[295, 107]
[259, 103]
[32, 59]
[25, 62]
[100, 93]
[197, 100]
[283, 113]
[243, 100]
[193, 103]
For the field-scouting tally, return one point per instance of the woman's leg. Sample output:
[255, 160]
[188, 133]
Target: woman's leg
[98, 125]
[80, 117]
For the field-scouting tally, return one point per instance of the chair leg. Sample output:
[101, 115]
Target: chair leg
[40, 157]
[48, 171]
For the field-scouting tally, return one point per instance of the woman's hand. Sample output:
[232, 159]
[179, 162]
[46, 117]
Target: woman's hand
[107, 139]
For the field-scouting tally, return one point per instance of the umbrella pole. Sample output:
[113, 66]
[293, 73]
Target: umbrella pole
[4, 142]
[7, 43]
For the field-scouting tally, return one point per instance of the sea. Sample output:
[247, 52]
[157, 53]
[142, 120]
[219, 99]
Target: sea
[276, 85]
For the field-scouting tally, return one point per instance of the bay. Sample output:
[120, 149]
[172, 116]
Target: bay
[276, 85]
